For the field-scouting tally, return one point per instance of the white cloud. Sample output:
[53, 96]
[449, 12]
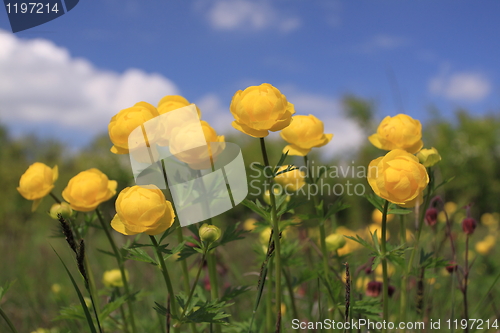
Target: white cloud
[465, 86]
[42, 84]
[216, 112]
[247, 15]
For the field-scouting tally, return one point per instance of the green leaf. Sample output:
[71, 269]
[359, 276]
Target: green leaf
[444, 182]
[107, 253]
[112, 306]
[174, 250]
[257, 208]
[336, 207]
[376, 201]
[186, 252]
[209, 312]
[80, 296]
[139, 254]
[5, 288]
[280, 162]
[232, 234]
[231, 293]
[370, 308]
[362, 242]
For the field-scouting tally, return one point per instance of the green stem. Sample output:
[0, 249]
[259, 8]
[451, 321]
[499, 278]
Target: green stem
[121, 266]
[56, 199]
[122, 312]
[269, 300]
[9, 323]
[276, 236]
[290, 291]
[402, 300]
[322, 234]
[166, 277]
[383, 250]
[191, 293]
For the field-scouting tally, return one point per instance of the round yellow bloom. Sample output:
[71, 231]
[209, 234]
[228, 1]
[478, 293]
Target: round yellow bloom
[291, 180]
[113, 278]
[201, 157]
[260, 109]
[334, 242]
[303, 134]
[123, 123]
[398, 132]
[173, 102]
[377, 216]
[89, 189]
[249, 224]
[37, 181]
[63, 208]
[429, 157]
[486, 245]
[56, 288]
[140, 209]
[398, 177]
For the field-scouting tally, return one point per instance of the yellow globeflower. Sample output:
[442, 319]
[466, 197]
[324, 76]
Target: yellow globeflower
[173, 102]
[89, 189]
[350, 244]
[398, 132]
[429, 157]
[202, 156]
[37, 182]
[260, 109]
[303, 134]
[377, 216]
[113, 278]
[123, 123]
[56, 288]
[249, 224]
[291, 180]
[140, 209]
[335, 242]
[398, 177]
[486, 245]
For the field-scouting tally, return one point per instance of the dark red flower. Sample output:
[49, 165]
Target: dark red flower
[431, 216]
[469, 225]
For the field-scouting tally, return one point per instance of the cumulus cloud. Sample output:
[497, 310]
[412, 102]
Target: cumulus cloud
[43, 84]
[465, 86]
[247, 15]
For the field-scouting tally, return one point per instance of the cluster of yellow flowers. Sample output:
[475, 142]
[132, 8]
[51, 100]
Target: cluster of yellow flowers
[400, 177]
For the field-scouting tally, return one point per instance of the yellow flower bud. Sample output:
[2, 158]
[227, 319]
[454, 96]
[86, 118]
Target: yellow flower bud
[398, 177]
[303, 134]
[429, 157]
[123, 123]
[277, 192]
[291, 180]
[37, 182]
[89, 189]
[260, 109]
[398, 132]
[140, 209]
[63, 208]
[113, 278]
[209, 233]
[334, 242]
[173, 102]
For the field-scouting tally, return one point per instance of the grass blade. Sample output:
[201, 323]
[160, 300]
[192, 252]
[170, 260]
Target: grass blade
[80, 296]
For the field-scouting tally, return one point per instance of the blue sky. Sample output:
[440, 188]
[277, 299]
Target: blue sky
[70, 75]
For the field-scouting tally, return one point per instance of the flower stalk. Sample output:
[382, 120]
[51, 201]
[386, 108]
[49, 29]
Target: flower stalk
[383, 250]
[276, 238]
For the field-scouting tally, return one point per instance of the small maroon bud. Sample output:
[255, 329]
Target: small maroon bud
[452, 267]
[469, 225]
[373, 288]
[431, 216]
[391, 290]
